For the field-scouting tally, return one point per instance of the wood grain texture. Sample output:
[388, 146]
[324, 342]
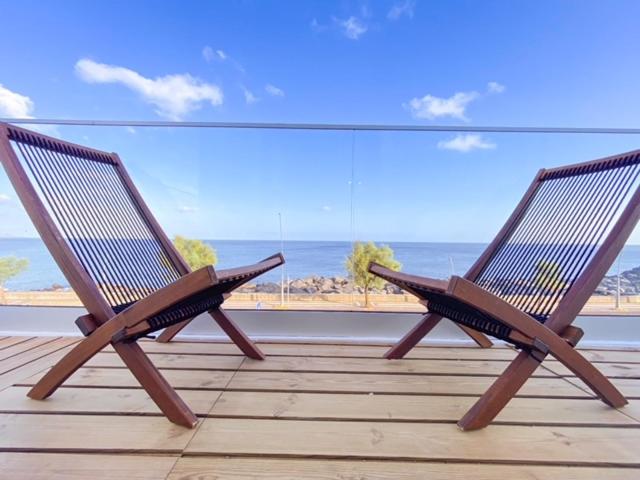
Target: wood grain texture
[167, 361]
[554, 429]
[69, 466]
[410, 408]
[298, 469]
[610, 369]
[393, 384]
[126, 401]
[376, 440]
[326, 350]
[9, 341]
[91, 433]
[35, 354]
[22, 347]
[120, 377]
[375, 365]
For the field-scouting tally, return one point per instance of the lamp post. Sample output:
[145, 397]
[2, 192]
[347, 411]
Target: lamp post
[282, 268]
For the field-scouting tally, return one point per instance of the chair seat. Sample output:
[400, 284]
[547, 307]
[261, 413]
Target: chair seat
[195, 305]
[456, 310]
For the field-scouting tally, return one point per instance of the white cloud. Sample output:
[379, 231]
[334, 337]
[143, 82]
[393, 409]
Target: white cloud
[221, 54]
[186, 209]
[466, 143]
[273, 90]
[352, 28]
[131, 130]
[249, 97]
[431, 107]
[14, 105]
[401, 9]
[4, 198]
[326, 208]
[495, 87]
[174, 96]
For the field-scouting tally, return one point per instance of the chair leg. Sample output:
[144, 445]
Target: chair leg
[417, 333]
[236, 335]
[589, 374]
[73, 360]
[170, 332]
[163, 394]
[500, 393]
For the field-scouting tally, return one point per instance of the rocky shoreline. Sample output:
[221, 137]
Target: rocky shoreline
[317, 285]
[629, 285]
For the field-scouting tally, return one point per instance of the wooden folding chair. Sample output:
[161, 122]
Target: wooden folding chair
[536, 276]
[117, 259]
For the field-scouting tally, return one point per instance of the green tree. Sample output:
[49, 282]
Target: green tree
[197, 253]
[358, 262]
[548, 275]
[11, 267]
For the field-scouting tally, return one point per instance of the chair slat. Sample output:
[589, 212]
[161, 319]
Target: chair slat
[98, 216]
[562, 226]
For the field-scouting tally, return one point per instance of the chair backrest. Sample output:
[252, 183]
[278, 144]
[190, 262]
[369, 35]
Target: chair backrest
[566, 227]
[83, 203]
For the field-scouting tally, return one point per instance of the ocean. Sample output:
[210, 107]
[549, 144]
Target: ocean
[304, 259]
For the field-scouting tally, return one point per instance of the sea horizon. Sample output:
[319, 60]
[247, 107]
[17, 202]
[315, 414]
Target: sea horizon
[304, 258]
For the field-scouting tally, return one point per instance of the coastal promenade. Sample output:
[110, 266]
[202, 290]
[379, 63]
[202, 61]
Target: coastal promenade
[598, 304]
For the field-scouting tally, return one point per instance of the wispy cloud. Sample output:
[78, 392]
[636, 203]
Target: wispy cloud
[15, 105]
[273, 90]
[249, 97]
[210, 54]
[352, 28]
[326, 208]
[4, 198]
[466, 143]
[187, 209]
[430, 107]
[495, 87]
[402, 9]
[174, 96]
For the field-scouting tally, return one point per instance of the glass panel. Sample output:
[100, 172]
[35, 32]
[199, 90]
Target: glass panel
[432, 198]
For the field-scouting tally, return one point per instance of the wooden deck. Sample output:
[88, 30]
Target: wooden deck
[313, 411]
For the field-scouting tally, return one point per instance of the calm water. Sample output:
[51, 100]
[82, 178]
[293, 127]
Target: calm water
[304, 258]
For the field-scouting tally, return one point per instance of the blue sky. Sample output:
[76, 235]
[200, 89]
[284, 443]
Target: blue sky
[545, 63]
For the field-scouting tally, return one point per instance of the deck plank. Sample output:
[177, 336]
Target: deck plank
[32, 368]
[377, 440]
[610, 369]
[69, 466]
[126, 401]
[9, 341]
[374, 365]
[328, 350]
[212, 362]
[22, 347]
[312, 412]
[91, 433]
[393, 384]
[34, 354]
[123, 378]
[410, 408]
[196, 468]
